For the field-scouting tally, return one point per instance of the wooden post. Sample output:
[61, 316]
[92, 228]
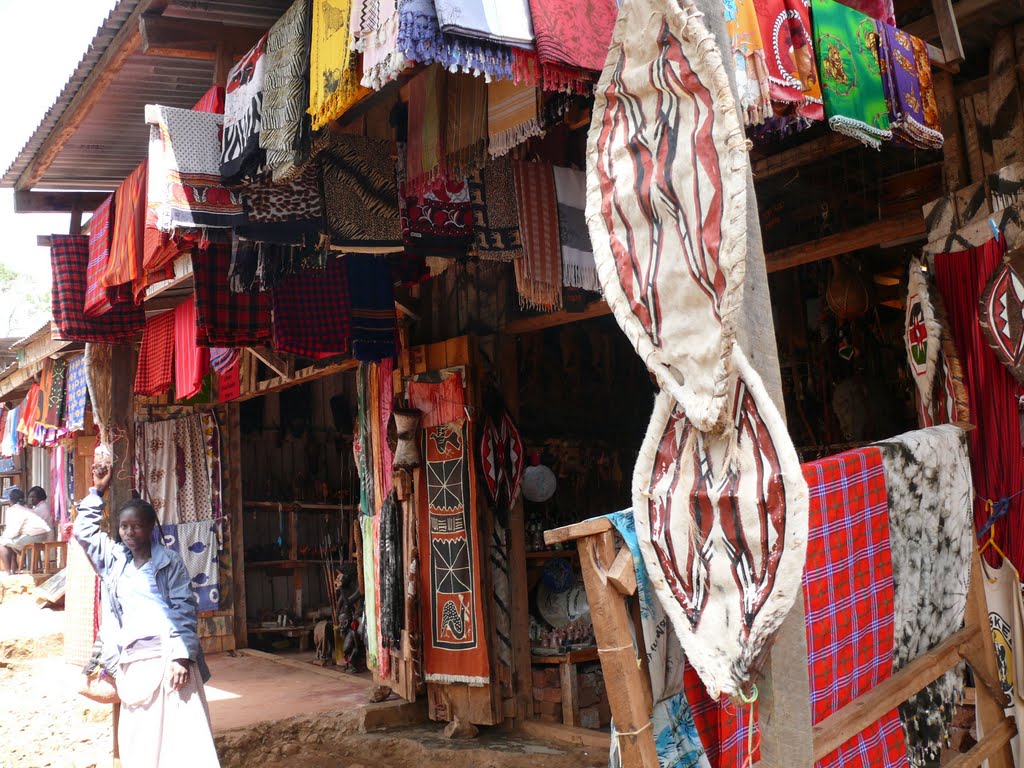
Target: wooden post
[236, 512]
[954, 162]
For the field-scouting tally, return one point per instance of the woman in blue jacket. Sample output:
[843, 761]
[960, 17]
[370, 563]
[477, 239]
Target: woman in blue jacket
[149, 636]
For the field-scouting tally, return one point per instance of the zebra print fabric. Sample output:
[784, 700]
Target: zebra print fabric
[286, 93]
[360, 193]
[241, 155]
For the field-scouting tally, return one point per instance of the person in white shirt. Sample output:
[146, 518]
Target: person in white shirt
[36, 501]
[22, 526]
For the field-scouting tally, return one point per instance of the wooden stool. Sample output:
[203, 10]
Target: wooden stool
[31, 558]
[55, 556]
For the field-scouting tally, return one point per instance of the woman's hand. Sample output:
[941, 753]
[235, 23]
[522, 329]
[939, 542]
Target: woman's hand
[177, 674]
[101, 476]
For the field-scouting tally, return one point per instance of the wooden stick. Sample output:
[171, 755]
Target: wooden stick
[988, 748]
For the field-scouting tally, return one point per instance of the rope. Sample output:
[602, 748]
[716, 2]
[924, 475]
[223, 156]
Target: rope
[752, 747]
[637, 732]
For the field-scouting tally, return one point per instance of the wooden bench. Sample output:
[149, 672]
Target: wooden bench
[44, 559]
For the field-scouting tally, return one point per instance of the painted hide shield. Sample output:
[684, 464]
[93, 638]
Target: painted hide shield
[921, 333]
[666, 203]
[1001, 314]
[722, 524]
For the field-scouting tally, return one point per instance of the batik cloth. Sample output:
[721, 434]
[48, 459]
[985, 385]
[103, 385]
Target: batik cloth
[100, 231]
[928, 476]
[360, 193]
[440, 398]
[466, 132]
[312, 311]
[424, 163]
[226, 318]
[851, 79]
[572, 41]
[492, 192]
[392, 580]
[69, 261]
[578, 267]
[333, 69]
[454, 643]
[373, 307]
[513, 116]
[506, 22]
[127, 240]
[286, 92]
[421, 40]
[241, 154]
[52, 381]
[752, 82]
[74, 417]
[185, 187]
[539, 272]
[913, 114]
[191, 362]
[789, 55]
[997, 462]
[849, 601]
[675, 734]
[198, 545]
[155, 370]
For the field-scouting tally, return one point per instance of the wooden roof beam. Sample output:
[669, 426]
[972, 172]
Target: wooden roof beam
[26, 201]
[965, 12]
[197, 40]
[125, 43]
[866, 236]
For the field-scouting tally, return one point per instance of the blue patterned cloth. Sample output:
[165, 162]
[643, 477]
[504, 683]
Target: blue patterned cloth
[197, 544]
[675, 733]
[76, 394]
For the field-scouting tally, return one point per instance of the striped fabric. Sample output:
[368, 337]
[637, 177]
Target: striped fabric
[849, 600]
[127, 240]
[539, 272]
[156, 358]
[96, 300]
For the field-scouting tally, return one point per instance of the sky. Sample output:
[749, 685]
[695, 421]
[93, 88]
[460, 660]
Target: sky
[45, 41]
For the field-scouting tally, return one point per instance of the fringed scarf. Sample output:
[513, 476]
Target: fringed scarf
[241, 154]
[286, 92]
[495, 217]
[373, 307]
[792, 76]
[539, 272]
[913, 111]
[512, 116]
[466, 132]
[573, 37]
[505, 22]
[383, 61]
[424, 162]
[333, 79]
[752, 82]
[578, 267]
[851, 78]
[928, 477]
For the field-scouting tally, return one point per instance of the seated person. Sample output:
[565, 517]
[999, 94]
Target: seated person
[22, 527]
[37, 503]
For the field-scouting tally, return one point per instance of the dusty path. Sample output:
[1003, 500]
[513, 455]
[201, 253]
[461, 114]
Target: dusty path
[44, 723]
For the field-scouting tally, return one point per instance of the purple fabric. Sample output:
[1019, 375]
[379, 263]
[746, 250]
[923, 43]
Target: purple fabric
[901, 84]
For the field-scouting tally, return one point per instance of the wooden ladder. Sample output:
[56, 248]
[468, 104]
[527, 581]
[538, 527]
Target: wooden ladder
[609, 576]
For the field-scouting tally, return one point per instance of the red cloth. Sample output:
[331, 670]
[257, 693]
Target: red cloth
[191, 362]
[722, 726]
[124, 267]
[96, 300]
[849, 600]
[997, 462]
[226, 318]
[313, 312]
[156, 358]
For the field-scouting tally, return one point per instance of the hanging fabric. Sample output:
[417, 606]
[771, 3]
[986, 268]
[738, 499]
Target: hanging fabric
[377, 37]
[312, 311]
[97, 302]
[497, 236]
[752, 83]
[909, 94]
[373, 307]
[506, 22]
[286, 93]
[425, 151]
[513, 116]
[77, 394]
[53, 381]
[466, 131]
[440, 397]
[127, 239]
[578, 267]
[539, 271]
[155, 370]
[191, 362]
[241, 154]
[1006, 620]
[793, 80]
[333, 70]
[223, 317]
[392, 578]
[572, 42]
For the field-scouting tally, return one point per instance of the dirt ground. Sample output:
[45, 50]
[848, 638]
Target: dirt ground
[44, 723]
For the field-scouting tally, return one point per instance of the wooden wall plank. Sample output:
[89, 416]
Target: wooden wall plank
[1005, 111]
[972, 145]
[954, 160]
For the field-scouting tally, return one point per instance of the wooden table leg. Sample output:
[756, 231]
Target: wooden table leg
[570, 693]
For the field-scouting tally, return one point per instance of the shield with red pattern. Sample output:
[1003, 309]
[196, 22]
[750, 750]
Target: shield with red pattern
[921, 333]
[1002, 318]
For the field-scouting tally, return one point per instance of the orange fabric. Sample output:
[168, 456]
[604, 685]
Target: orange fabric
[127, 246]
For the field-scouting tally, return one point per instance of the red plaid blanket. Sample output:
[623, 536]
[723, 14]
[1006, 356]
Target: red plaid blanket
[848, 600]
[313, 312]
[156, 358]
[226, 319]
[69, 260]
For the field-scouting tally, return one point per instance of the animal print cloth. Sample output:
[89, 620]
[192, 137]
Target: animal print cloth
[928, 477]
[495, 216]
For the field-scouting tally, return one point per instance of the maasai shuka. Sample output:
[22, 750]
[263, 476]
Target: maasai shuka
[69, 260]
[191, 362]
[96, 300]
[719, 499]
[226, 318]
[127, 242]
[312, 311]
[454, 644]
[155, 371]
[848, 601]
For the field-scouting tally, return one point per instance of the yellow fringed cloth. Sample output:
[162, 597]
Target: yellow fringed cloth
[333, 67]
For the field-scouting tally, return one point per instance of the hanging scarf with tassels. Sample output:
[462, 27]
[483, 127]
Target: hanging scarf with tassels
[512, 116]
[333, 76]
[466, 132]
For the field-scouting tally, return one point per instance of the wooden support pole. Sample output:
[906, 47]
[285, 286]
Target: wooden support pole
[954, 161]
[234, 509]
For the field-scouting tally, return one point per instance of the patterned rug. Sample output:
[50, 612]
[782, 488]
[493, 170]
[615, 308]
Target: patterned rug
[454, 648]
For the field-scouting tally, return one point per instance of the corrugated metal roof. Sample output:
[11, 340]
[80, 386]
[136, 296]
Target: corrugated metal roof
[113, 138]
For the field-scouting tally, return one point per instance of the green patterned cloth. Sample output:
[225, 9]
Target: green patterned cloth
[846, 42]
